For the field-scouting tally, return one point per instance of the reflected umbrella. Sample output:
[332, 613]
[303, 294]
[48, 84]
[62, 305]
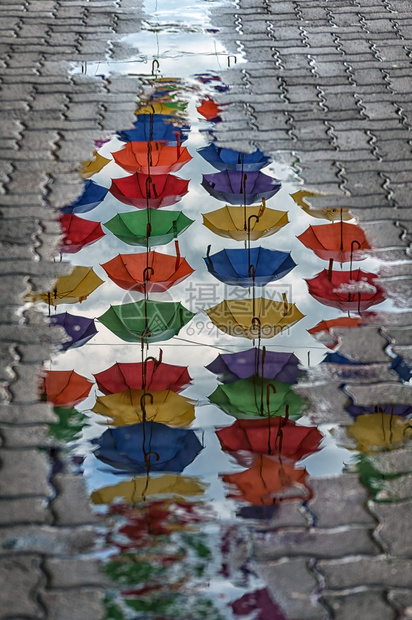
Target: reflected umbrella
[70, 289]
[142, 191]
[132, 406]
[209, 110]
[342, 242]
[228, 159]
[158, 127]
[239, 188]
[146, 320]
[278, 436]
[64, 388]
[166, 108]
[150, 374]
[258, 602]
[389, 409]
[70, 425]
[254, 318]
[89, 168]
[150, 272]
[151, 158]
[266, 481]
[136, 490]
[145, 447]
[78, 233]
[379, 430]
[257, 396]
[398, 364]
[93, 194]
[248, 224]
[148, 229]
[80, 329]
[347, 290]
[248, 267]
[245, 364]
[333, 215]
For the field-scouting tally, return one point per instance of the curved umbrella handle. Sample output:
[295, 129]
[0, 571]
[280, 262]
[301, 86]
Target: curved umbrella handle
[249, 219]
[352, 248]
[262, 208]
[155, 62]
[143, 403]
[149, 182]
[146, 272]
[208, 256]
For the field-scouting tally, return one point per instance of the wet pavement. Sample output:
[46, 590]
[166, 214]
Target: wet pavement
[326, 94]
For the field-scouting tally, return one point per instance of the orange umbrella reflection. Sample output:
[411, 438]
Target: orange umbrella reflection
[152, 158]
[342, 242]
[268, 480]
[64, 388]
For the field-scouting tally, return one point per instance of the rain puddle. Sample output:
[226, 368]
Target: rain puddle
[203, 290]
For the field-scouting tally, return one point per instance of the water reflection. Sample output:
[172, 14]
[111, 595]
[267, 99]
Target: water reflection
[177, 463]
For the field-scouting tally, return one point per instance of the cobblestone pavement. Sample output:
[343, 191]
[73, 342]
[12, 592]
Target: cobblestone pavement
[327, 81]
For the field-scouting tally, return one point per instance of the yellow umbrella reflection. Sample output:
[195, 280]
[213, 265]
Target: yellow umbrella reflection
[136, 490]
[332, 215]
[89, 168]
[133, 406]
[254, 318]
[245, 223]
[173, 108]
[70, 289]
[374, 431]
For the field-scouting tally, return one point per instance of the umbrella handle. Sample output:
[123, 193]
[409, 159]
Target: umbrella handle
[208, 256]
[352, 247]
[285, 303]
[143, 403]
[155, 62]
[262, 208]
[146, 276]
[149, 181]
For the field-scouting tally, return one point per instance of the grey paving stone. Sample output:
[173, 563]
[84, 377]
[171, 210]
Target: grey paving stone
[74, 572]
[64, 509]
[25, 436]
[20, 510]
[45, 540]
[24, 473]
[341, 500]
[23, 575]
[356, 571]
[59, 603]
[314, 542]
[368, 604]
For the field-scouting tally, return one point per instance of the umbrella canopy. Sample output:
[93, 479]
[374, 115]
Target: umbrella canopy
[257, 601]
[142, 191]
[80, 329]
[93, 194]
[64, 388]
[151, 157]
[146, 320]
[136, 490]
[242, 224]
[255, 318]
[333, 215]
[152, 272]
[228, 159]
[147, 447]
[342, 242]
[389, 409]
[91, 167]
[245, 364]
[279, 437]
[70, 289]
[375, 431]
[158, 127]
[70, 425]
[240, 188]
[347, 290]
[78, 233]
[152, 374]
[257, 396]
[266, 481]
[134, 228]
[167, 108]
[209, 110]
[248, 267]
[132, 406]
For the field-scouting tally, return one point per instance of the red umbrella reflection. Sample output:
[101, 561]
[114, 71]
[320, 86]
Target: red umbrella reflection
[347, 290]
[257, 601]
[209, 109]
[152, 157]
[341, 242]
[268, 480]
[279, 436]
[142, 191]
[78, 233]
[150, 272]
[64, 388]
[322, 330]
[151, 374]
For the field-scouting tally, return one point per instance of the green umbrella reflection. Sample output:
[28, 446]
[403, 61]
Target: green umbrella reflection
[148, 227]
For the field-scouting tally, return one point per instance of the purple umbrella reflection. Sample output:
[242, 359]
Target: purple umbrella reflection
[245, 364]
[240, 188]
[80, 329]
[258, 601]
[401, 410]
